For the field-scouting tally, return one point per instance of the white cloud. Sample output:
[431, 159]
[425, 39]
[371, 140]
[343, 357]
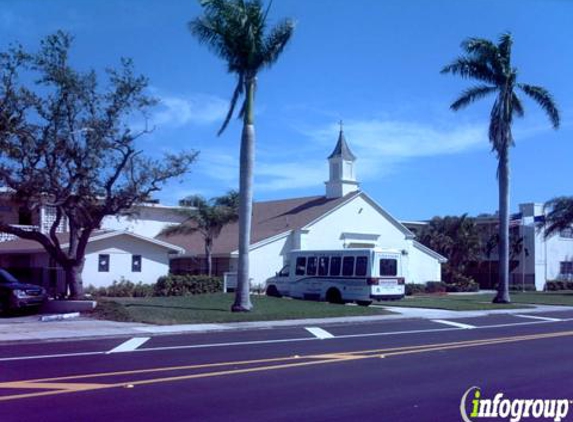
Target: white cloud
[219, 165]
[396, 140]
[289, 175]
[197, 109]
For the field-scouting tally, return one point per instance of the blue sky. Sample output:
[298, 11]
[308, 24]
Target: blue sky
[374, 64]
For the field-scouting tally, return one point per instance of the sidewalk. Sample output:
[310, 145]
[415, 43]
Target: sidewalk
[30, 328]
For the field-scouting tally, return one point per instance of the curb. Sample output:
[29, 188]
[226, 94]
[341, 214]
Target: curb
[59, 317]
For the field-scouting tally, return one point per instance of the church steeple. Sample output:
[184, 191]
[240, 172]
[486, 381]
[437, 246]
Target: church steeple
[342, 178]
[341, 149]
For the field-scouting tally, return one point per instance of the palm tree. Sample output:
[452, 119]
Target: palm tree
[206, 217]
[490, 64]
[235, 30]
[456, 238]
[560, 215]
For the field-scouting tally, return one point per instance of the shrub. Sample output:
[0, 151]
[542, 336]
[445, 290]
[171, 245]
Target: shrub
[557, 285]
[185, 285]
[471, 286]
[462, 284]
[121, 288]
[435, 287]
[414, 288]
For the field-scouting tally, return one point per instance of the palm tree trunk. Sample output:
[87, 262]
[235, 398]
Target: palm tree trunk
[503, 180]
[208, 256]
[242, 298]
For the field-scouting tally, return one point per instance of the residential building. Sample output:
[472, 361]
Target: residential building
[120, 251]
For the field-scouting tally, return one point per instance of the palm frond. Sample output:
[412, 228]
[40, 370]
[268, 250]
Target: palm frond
[560, 215]
[276, 41]
[179, 229]
[472, 94]
[504, 47]
[500, 123]
[232, 104]
[545, 100]
[470, 68]
[517, 105]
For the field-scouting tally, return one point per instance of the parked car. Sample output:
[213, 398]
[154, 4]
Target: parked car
[15, 295]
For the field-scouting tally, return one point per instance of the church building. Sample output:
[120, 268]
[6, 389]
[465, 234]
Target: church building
[344, 217]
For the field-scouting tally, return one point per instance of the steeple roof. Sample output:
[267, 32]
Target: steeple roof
[342, 149]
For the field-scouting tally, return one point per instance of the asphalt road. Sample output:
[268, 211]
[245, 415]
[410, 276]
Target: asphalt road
[407, 370]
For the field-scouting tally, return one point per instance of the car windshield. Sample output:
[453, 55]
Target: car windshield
[6, 277]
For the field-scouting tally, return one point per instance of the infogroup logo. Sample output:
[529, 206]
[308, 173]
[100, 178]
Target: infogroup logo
[513, 410]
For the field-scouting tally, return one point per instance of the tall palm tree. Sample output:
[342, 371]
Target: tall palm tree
[559, 215]
[208, 217]
[490, 64]
[235, 30]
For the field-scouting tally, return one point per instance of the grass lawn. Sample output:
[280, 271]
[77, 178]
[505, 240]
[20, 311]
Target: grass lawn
[477, 302]
[480, 301]
[543, 298]
[216, 308]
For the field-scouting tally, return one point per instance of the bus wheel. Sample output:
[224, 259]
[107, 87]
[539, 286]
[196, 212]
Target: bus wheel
[363, 302]
[333, 296]
[272, 291]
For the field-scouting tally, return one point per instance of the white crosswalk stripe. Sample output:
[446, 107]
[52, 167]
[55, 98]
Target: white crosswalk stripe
[454, 324]
[319, 332]
[129, 345]
[541, 318]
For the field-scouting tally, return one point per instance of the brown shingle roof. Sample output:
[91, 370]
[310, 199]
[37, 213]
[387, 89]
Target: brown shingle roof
[270, 218]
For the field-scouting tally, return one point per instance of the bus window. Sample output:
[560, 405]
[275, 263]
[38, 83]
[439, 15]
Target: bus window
[300, 265]
[361, 265]
[311, 266]
[388, 267]
[335, 266]
[323, 265]
[348, 266]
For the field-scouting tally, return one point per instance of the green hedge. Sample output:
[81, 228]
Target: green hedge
[435, 287]
[557, 285]
[464, 285]
[171, 285]
[441, 287]
[186, 285]
[414, 289]
[122, 288]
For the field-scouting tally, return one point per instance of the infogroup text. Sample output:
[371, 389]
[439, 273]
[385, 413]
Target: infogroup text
[475, 406]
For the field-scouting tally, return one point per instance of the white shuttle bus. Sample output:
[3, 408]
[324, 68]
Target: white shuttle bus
[339, 276]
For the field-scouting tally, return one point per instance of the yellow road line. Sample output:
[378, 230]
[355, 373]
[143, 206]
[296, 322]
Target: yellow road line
[281, 363]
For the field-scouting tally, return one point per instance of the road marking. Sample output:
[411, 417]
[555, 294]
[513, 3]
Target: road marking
[454, 324]
[52, 385]
[279, 363]
[319, 332]
[287, 340]
[542, 318]
[129, 345]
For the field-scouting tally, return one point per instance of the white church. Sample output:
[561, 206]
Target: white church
[344, 217]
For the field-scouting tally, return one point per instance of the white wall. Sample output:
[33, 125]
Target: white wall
[155, 261]
[422, 267]
[268, 259]
[358, 216]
